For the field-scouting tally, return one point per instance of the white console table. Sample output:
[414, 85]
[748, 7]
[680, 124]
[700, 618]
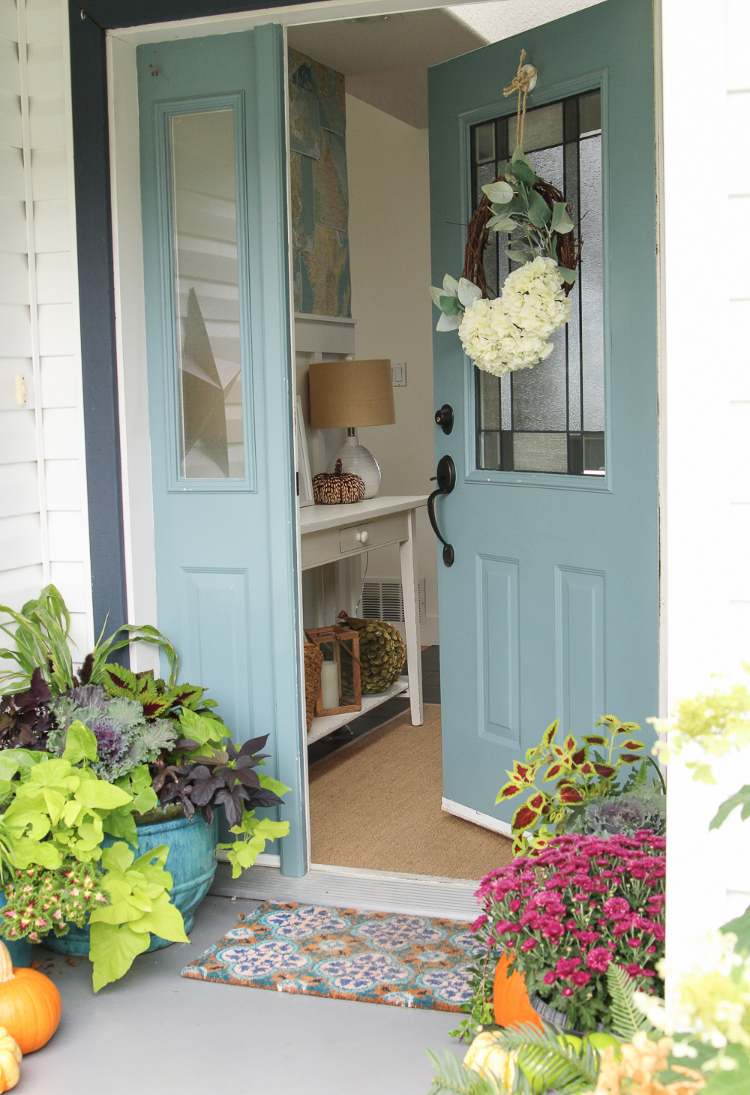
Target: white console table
[332, 533]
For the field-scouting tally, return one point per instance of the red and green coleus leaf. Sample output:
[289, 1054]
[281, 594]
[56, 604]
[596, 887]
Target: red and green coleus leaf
[630, 758]
[508, 791]
[606, 771]
[524, 817]
[579, 757]
[570, 744]
[549, 734]
[595, 739]
[569, 794]
[631, 745]
[553, 771]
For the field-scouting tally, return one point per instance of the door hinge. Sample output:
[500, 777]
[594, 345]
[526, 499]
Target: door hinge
[296, 482]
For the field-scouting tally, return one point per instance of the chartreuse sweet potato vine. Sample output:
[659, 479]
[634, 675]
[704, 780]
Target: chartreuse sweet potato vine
[53, 828]
[560, 780]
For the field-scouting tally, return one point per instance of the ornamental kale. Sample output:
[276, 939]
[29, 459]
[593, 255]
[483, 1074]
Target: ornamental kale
[125, 738]
[571, 911]
[626, 814]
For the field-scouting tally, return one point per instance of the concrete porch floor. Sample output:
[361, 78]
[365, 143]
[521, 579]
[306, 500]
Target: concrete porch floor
[156, 1032]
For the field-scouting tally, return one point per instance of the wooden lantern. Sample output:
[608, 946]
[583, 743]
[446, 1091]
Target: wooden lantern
[340, 649]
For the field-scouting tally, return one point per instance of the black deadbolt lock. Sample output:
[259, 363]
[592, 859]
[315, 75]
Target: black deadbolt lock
[444, 418]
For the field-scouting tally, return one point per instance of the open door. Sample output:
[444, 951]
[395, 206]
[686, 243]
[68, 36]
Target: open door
[216, 280]
[551, 606]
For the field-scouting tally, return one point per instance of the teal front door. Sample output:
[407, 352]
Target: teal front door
[551, 607]
[216, 280]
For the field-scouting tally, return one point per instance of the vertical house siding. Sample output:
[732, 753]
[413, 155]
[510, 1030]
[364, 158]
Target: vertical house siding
[43, 518]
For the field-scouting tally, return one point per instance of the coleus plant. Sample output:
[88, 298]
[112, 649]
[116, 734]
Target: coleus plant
[560, 780]
[158, 698]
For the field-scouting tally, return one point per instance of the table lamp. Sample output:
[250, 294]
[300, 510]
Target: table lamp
[347, 394]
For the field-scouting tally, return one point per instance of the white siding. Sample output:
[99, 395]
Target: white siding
[43, 518]
[706, 426]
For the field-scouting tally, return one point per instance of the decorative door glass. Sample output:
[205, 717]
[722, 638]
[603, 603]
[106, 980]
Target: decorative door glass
[207, 298]
[549, 418]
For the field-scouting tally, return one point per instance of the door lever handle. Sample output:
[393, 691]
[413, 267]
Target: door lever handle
[446, 481]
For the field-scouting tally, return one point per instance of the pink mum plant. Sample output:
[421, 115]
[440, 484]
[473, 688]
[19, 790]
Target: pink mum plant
[573, 909]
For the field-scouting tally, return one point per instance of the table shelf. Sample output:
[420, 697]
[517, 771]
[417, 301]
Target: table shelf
[327, 724]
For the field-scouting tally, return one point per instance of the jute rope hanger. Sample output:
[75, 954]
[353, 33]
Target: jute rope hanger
[522, 83]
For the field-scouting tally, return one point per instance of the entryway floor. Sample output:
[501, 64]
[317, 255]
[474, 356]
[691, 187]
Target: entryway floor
[156, 1032]
[376, 804]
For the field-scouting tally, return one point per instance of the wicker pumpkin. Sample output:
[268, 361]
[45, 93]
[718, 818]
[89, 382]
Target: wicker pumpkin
[511, 1000]
[336, 487]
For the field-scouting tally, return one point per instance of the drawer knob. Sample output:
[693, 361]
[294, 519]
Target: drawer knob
[362, 536]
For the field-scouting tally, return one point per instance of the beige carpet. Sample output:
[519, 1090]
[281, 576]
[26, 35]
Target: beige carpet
[376, 804]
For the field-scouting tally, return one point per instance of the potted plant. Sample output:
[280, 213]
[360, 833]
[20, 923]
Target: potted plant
[565, 785]
[163, 762]
[570, 912]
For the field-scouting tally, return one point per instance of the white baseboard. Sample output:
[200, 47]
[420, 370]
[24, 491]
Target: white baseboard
[380, 891]
[485, 820]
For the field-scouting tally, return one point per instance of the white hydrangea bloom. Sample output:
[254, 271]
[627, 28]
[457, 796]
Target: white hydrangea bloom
[512, 332]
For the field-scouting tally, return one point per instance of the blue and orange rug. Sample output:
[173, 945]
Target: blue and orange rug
[377, 958]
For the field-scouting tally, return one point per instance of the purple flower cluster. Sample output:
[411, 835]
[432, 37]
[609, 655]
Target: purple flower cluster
[570, 911]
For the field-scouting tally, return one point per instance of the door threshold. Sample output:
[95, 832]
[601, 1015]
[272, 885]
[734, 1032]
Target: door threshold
[380, 891]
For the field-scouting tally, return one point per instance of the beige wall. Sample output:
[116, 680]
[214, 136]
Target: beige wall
[389, 233]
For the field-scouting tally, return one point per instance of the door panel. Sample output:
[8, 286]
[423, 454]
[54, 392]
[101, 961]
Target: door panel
[216, 279]
[551, 608]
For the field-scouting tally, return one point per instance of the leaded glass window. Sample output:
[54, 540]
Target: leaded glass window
[549, 418]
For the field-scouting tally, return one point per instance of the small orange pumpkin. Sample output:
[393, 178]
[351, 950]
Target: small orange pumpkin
[509, 996]
[30, 1005]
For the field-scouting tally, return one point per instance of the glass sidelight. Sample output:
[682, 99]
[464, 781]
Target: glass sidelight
[206, 294]
[550, 418]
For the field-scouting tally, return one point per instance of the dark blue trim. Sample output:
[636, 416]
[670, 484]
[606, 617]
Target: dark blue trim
[88, 23]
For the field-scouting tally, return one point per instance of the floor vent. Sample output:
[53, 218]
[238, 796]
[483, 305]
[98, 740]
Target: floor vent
[382, 599]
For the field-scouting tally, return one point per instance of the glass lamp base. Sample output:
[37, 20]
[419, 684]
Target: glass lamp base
[357, 460]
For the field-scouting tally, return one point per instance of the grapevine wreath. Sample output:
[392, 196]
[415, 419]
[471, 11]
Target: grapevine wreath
[512, 331]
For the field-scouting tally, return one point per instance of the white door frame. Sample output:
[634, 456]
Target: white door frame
[130, 336]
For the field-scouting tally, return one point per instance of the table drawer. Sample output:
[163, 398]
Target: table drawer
[328, 545]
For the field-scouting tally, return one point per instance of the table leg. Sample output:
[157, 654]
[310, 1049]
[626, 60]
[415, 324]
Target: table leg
[411, 622]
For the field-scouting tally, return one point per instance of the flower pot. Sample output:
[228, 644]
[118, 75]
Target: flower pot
[191, 862]
[20, 950]
[510, 999]
[549, 1014]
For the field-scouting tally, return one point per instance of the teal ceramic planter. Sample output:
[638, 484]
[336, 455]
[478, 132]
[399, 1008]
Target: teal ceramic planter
[20, 950]
[191, 862]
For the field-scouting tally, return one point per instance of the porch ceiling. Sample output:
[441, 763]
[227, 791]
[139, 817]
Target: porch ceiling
[385, 58]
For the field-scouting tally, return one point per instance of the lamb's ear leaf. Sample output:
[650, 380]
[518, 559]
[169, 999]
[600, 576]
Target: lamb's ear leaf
[450, 283]
[568, 276]
[448, 323]
[468, 292]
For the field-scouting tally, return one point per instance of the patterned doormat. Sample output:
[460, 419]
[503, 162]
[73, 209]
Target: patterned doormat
[378, 958]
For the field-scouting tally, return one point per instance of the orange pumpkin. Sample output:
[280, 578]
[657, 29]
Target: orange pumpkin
[510, 998]
[30, 1005]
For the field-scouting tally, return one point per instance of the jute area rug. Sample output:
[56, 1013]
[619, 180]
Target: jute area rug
[376, 803]
[376, 958]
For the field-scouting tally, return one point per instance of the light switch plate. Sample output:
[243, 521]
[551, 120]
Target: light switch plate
[398, 373]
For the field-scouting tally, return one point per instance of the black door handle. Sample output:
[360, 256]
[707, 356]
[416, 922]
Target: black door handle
[444, 418]
[446, 481]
